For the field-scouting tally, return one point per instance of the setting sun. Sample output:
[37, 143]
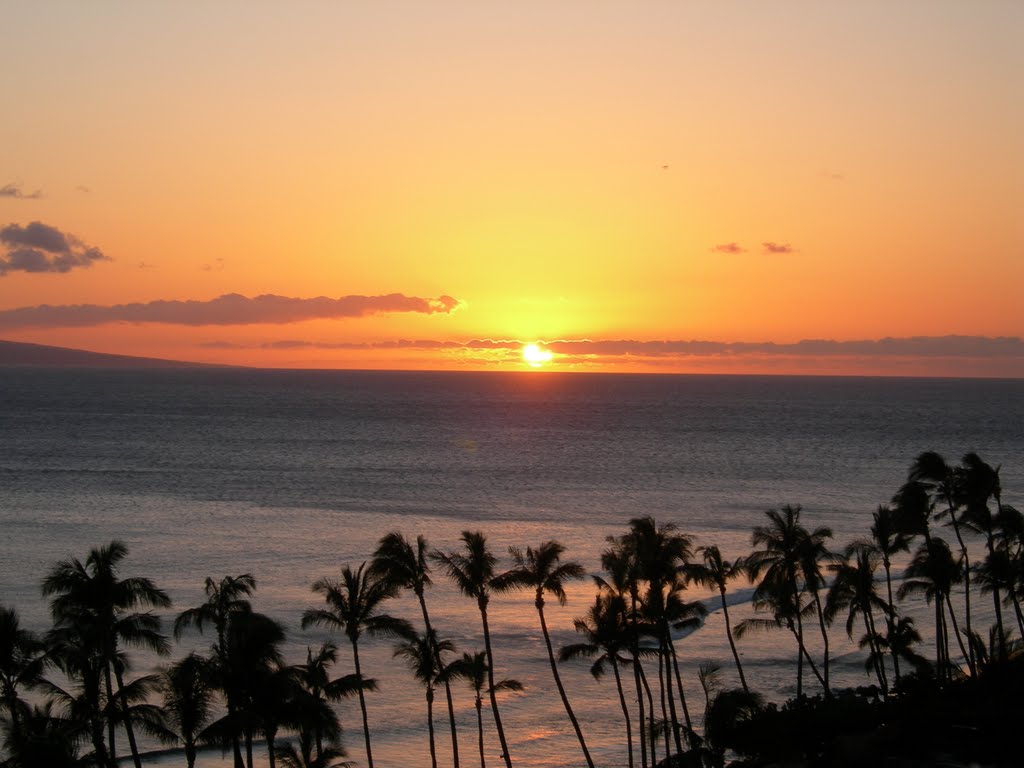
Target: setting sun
[536, 356]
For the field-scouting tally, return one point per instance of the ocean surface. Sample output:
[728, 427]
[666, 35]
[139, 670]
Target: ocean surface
[289, 475]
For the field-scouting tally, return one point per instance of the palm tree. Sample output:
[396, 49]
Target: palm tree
[607, 637]
[898, 643]
[543, 571]
[303, 757]
[726, 714]
[933, 572]
[887, 540]
[354, 607]
[779, 590]
[945, 484]
[21, 664]
[474, 669]
[90, 595]
[472, 571]
[398, 563]
[45, 739]
[223, 599]
[853, 590]
[422, 654]
[717, 572]
[188, 689]
[812, 554]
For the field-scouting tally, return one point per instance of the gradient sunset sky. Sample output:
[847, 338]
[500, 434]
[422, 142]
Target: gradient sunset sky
[771, 187]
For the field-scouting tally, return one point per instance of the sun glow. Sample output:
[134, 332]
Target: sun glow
[535, 356]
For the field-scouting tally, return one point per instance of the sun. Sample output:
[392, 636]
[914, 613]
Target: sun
[535, 356]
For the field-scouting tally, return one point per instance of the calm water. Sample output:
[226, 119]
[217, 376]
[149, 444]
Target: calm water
[289, 475]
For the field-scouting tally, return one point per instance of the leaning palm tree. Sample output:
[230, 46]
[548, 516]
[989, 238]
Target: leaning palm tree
[407, 568]
[91, 596]
[354, 607]
[543, 571]
[717, 572]
[474, 669]
[188, 693]
[473, 572]
[853, 591]
[421, 653]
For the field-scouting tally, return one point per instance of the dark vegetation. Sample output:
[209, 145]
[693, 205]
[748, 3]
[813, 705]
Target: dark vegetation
[958, 702]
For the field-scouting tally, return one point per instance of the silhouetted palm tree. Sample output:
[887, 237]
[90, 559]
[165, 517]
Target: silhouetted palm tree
[189, 695]
[473, 571]
[716, 572]
[354, 606]
[92, 597]
[888, 540]
[399, 563]
[314, 715]
[853, 590]
[543, 571]
[224, 599]
[945, 484]
[303, 757]
[422, 653]
[22, 656]
[933, 572]
[474, 669]
[45, 740]
[607, 638]
[728, 711]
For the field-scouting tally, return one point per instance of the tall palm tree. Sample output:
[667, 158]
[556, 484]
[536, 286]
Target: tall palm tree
[22, 656]
[813, 554]
[224, 599]
[778, 565]
[945, 484]
[474, 669]
[421, 653]
[887, 540]
[354, 607]
[979, 482]
[408, 568]
[189, 695]
[933, 572]
[608, 638]
[472, 570]
[853, 590]
[717, 572]
[543, 571]
[91, 595]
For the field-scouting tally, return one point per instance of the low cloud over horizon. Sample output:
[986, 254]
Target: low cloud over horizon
[38, 247]
[229, 309]
[951, 346]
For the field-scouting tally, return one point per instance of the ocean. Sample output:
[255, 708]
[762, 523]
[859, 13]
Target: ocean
[289, 475]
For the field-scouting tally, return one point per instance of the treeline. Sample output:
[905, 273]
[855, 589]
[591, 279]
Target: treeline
[242, 690]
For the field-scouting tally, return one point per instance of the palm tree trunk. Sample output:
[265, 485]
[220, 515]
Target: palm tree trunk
[665, 691]
[634, 649]
[679, 685]
[480, 730]
[799, 663]
[248, 746]
[651, 731]
[447, 684]
[956, 629]
[127, 719]
[430, 727]
[890, 621]
[559, 686]
[490, 680]
[271, 758]
[362, 704]
[732, 643]
[971, 661]
[876, 662]
[625, 710]
[110, 721]
[824, 637]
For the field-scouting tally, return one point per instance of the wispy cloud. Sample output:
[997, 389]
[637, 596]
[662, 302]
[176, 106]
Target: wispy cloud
[771, 247]
[229, 309]
[15, 191]
[729, 248]
[38, 247]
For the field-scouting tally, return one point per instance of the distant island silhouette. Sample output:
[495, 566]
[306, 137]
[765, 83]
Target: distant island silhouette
[16, 353]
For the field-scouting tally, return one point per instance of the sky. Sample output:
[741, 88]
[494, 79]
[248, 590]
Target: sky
[708, 187]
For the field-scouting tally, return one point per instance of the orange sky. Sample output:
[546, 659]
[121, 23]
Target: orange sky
[614, 179]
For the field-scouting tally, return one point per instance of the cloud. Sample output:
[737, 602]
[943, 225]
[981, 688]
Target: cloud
[229, 309]
[15, 191]
[729, 248]
[770, 247]
[972, 347]
[38, 247]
